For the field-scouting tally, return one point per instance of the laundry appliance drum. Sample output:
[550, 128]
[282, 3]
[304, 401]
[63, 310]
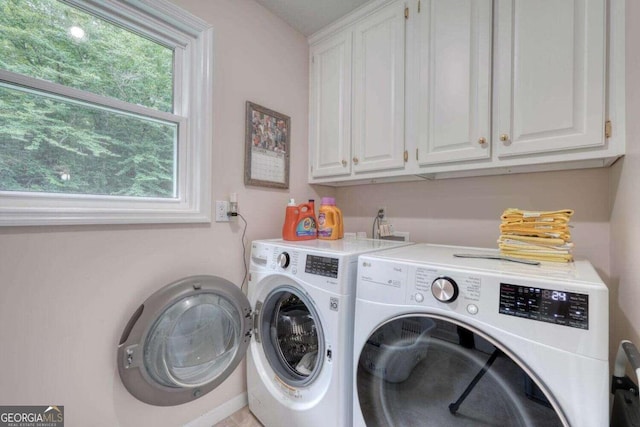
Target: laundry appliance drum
[426, 370]
[292, 336]
[184, 340]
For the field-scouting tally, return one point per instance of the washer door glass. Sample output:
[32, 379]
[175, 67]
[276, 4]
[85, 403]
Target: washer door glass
[430, 372]
[292, 336]
[193, 341]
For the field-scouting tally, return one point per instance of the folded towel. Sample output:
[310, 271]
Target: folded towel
[519, 218]
[550, 241]
[536, 232]
[533, 251]
[536, 249]
[551, 224]
[538, 256]
[512, 213]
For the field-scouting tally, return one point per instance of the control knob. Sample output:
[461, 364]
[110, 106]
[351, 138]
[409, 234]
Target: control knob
[444, 289]
[283, 260]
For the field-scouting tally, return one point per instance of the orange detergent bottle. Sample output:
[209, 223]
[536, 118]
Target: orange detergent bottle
[330, 225]
[299, 222]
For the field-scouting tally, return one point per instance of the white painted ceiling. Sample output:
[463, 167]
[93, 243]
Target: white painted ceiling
[308, 16]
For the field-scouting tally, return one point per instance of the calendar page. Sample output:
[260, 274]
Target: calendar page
[267, 165]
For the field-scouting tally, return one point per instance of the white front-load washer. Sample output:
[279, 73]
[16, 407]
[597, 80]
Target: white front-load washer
[447, 341]
[295, 323]
[299, 360]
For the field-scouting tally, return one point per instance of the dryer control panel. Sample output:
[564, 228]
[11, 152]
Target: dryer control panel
[545, 305]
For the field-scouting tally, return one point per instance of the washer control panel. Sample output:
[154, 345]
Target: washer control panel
[283, 260]
[322, 266]
[319, 268]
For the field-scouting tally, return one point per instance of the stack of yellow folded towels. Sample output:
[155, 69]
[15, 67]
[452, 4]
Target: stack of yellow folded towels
[534, 235]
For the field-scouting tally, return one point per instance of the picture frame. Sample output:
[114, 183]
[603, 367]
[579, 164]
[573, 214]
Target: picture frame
[267, 147]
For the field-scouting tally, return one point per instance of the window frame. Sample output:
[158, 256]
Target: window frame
[192, 41]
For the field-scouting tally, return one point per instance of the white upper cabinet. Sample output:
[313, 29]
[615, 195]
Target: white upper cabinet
[468, 88]
[454, 75]
[550, 75]
[378, 100]
[330, 106]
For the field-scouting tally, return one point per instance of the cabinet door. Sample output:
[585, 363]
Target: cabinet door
[454, 116]
[330, 106]
[378, 115]
[549, 75]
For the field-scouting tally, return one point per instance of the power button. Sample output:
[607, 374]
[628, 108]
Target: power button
[472, 309]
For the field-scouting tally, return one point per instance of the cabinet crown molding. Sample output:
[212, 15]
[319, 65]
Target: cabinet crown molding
[359, 13]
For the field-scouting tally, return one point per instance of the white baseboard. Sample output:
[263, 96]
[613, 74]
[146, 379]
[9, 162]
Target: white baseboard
[221, 412]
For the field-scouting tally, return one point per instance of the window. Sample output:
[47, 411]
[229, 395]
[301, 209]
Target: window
[105, 113]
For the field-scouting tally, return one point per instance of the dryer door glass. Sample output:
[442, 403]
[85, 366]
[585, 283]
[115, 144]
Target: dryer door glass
[292, 336]
[193, 341]
[431, 372]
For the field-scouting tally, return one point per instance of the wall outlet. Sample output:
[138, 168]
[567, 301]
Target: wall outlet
[222, 207]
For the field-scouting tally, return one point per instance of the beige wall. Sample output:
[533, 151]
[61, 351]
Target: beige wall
[67, 292]
[625, 203]
[467, 211]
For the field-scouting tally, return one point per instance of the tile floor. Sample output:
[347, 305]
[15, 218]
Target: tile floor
[241, 418]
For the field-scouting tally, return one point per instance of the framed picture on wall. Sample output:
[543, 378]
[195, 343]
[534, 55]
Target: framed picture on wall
[267, 147]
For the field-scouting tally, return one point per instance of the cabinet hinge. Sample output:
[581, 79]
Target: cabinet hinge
[418, 6]
[417, 158]
[406, 156]
[406, 13]
[607, 129]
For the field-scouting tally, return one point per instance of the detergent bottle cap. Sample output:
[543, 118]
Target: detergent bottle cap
[292, 202]
[329, 201]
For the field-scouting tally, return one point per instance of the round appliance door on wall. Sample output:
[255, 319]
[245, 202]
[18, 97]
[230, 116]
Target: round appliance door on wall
[431, 371]
[292, 336]
[184, 340]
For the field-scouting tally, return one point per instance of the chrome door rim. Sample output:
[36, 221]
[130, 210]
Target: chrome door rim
[131, 360]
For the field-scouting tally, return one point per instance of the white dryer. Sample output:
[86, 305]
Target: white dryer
[447, 341]
[299, 361]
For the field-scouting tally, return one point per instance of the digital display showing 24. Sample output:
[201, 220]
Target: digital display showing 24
[554, 295]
